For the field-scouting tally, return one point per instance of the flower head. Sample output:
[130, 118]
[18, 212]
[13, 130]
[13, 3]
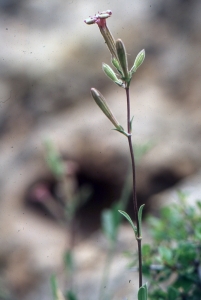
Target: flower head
[100, 20]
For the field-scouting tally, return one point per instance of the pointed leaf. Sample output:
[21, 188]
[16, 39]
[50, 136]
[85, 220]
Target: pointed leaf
[129, 220]
[140, 218]
[143, 292]
[121, 130]
[172, 293]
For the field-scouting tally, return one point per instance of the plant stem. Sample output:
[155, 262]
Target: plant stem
[134, 185]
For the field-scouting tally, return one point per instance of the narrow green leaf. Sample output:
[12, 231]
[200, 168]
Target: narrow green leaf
[129, 220]
[198, 231]
[172, 293]
[143, 292]
[121, 130]
[165, 253]
[140, 218]
[146, 289]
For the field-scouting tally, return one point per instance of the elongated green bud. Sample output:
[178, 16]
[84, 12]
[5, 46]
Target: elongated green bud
[101, 102]
[122, 56]
[111, 74]
[116, 64]
[138, 61]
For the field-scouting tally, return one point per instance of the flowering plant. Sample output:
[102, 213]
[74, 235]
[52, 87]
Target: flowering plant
[122, 78]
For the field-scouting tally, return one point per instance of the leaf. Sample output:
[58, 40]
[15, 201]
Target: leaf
[198, 203]
[130, 221]
[165, 253]
[143, 292]
[121, 130]
[140, 218]
[172, 293]
[198, 231]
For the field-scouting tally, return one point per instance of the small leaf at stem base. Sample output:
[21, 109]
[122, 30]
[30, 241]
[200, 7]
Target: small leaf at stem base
[130, 221]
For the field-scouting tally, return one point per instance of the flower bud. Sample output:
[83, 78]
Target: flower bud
[101, 102]
[138, 61]
[122, 56]
[116, 64]
[111, 74]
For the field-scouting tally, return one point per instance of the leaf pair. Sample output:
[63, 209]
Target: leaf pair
[138, 232]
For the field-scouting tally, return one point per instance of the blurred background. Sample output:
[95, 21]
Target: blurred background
[49, 60]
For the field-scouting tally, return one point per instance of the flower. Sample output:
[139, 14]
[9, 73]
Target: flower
[100, 20]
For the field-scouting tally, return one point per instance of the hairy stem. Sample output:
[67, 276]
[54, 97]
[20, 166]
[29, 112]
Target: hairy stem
[134, 186]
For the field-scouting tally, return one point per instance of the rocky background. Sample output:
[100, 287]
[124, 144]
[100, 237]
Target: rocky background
[49, 59]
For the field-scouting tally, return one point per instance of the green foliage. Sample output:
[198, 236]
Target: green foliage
[143, 292]
[130, 221]
[173, 262]
[140, 219]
